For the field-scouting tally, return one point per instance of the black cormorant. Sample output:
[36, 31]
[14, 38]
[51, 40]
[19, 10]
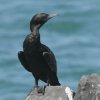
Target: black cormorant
[36, 57]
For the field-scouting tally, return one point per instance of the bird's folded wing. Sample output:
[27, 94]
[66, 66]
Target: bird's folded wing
[49, 57]
[23, 60]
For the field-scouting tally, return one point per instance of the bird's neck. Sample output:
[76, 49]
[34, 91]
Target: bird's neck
[35, 33]
[35, 30]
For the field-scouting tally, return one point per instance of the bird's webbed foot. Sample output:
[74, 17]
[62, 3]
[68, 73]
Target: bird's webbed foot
[45, 86]
[40, 90]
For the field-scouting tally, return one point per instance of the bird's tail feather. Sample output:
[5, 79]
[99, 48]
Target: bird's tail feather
[54, 80]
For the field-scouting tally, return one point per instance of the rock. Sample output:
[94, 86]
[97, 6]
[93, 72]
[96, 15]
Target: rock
[89, 88]
[52, 93]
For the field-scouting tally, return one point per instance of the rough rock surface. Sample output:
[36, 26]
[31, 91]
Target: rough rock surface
[52, 93]
[89, 88]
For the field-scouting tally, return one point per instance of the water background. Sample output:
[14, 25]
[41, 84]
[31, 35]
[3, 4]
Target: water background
[74, 37]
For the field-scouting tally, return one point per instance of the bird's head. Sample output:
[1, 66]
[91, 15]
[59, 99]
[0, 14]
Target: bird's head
[39, 19]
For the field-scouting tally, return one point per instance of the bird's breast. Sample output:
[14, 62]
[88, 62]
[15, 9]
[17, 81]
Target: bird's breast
[31, 43]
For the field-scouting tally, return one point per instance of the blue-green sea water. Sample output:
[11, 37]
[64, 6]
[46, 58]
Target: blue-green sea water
[74, 37]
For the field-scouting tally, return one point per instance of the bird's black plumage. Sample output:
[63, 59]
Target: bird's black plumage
[36, 57]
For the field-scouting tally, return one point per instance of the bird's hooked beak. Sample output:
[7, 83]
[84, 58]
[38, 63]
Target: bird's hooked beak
[52, 15]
